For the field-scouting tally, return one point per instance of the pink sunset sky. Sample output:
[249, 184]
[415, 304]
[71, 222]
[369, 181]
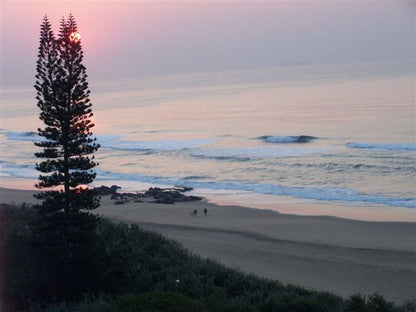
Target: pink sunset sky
[137, 38]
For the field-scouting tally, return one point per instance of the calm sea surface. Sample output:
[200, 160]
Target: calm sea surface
[301, 136]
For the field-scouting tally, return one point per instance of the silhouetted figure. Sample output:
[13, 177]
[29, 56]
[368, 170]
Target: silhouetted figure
[193, 213]
[205, 211]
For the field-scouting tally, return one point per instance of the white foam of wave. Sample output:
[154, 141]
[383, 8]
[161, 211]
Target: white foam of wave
[390, 147]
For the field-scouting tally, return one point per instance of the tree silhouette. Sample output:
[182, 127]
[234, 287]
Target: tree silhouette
[65, 109]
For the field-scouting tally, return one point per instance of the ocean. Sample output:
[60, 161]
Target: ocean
[293, 138]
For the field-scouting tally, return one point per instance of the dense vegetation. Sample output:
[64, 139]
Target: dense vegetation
[124, 268]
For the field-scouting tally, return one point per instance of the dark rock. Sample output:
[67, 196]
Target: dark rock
[153, 191]
[105, 190]
[160, 196]
[191, 198]
[170, 195]
[183, 189]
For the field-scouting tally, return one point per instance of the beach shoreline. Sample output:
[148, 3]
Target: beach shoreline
[281, 204]
[339, 255]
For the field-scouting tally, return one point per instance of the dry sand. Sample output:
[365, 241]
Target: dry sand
[324, 253]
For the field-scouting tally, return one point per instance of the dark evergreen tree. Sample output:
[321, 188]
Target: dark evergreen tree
[68, 145]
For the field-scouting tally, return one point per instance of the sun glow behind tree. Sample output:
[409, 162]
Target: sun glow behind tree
[74, 37]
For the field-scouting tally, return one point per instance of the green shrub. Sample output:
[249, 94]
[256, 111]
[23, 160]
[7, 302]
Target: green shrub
[89, 304]
[237, 307]
[377, 303]
[409, 306]
[356, 303]
[156, 302]
[374, 303]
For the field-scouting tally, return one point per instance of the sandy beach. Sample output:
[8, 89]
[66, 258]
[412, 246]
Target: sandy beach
[338, 255]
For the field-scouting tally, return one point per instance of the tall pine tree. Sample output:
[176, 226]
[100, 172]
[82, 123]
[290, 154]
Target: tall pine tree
[63, 99]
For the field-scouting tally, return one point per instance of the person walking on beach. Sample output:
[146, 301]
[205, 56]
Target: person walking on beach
[205, 211]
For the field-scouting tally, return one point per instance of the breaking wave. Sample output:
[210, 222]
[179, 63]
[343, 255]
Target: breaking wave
[287, 139]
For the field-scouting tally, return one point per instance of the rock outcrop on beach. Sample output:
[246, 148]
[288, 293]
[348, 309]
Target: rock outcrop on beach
[159, 195]
[105, 190]
[170, 195]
